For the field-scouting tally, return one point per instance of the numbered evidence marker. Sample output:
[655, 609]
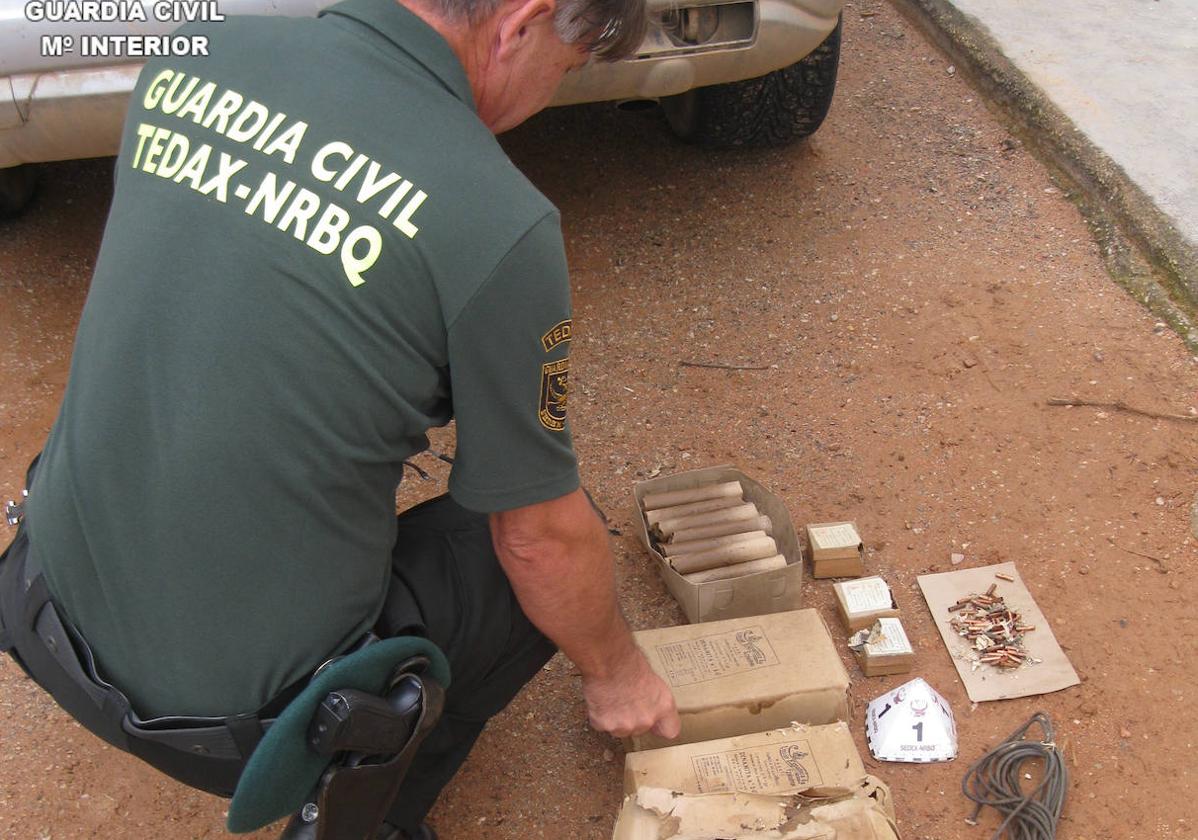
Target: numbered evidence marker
[911, 723]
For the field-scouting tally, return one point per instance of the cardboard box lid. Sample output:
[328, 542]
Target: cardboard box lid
[834, 540]
[864, 596]
[797, 758]
[745, 661]
[770, 591]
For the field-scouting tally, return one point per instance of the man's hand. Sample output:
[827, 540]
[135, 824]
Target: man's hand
[558, 560]
[631, 702]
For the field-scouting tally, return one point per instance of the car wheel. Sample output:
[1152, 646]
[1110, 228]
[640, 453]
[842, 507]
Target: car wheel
[771, 110]
[17, 185]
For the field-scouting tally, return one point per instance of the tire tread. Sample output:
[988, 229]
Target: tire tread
[776, 109]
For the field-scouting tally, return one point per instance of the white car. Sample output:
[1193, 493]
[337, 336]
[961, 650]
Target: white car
[745, 72]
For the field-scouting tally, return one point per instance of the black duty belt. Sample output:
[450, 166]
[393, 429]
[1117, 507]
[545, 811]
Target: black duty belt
[205, 752]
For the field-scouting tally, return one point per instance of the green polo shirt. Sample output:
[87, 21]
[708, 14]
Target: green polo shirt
[316, 251]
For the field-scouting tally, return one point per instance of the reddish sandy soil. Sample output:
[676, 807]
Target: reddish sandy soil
[919, 288]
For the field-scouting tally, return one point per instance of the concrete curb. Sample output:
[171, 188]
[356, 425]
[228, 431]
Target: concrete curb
[1163, 275]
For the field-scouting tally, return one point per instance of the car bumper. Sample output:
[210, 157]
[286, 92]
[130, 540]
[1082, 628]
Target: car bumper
[63, 115]
[776, 34]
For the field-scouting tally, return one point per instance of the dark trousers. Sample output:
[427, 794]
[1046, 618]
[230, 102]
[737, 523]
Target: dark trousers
[444, 558]
[446, 584]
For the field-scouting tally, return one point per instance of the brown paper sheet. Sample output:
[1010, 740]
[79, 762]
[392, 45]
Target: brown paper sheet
[983, 682]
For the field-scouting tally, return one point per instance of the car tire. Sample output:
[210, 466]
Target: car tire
[771, 110]
[17, 185]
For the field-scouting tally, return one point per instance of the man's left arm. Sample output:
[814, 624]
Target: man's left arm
[557, 556]
[509, 370]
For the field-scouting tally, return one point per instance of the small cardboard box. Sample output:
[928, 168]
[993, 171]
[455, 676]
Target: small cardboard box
[751, 787]
[883, 649]
[862, 602]
[747, 675]
[836, 550]
[776, 590]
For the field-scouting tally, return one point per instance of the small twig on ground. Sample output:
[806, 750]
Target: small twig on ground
[439, 455]
[424, 476]
[719, 366]
[1122, 406]
[1161, 563]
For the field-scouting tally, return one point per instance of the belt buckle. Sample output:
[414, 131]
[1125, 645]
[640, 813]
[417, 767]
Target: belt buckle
[14, 512]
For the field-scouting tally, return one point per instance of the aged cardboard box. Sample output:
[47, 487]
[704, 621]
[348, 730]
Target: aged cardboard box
[862, 602]
[774, 590]
[794, 783]
[783, 760]
[883, 648]
[747, 675]
[836, 550]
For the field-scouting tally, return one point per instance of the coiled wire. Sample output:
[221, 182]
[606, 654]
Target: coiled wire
[996, 779]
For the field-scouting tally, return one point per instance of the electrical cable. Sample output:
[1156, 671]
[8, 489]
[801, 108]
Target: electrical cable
[996, 779]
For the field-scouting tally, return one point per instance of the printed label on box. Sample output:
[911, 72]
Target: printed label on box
[777, 768]
[867, 595]
[894, 639]
[836, 536]
[711, 657]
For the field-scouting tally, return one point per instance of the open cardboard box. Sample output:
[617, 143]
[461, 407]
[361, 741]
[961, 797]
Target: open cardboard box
[776, 590]
[884, 649]
[794, 783]
[746, 675]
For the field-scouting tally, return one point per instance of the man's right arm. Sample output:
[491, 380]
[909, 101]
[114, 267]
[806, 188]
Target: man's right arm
[557, 557]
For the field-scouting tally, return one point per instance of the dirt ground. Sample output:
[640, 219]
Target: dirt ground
[918, 287]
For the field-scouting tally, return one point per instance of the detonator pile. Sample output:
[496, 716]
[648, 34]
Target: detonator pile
[711, 533]
[993, 629]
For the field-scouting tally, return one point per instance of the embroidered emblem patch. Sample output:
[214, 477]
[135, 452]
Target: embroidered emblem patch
[560, 334]
[555, 388]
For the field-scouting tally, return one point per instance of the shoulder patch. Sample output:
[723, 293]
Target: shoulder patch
[560, 334]
[555, 388]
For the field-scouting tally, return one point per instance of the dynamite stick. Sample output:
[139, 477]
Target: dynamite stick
[672, 549]
[736, 570]
[672, 498]
[677, 511]
[754, 549]
[740, 513]
[724, 529]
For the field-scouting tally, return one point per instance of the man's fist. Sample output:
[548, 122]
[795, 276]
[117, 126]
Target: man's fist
[631, 700]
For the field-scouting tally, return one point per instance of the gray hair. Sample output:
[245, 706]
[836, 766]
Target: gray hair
[611, 29]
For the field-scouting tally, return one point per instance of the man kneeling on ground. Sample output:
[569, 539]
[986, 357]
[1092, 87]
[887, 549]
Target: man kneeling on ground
[316, 252]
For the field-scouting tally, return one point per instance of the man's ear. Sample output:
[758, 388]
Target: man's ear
[518, 17]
